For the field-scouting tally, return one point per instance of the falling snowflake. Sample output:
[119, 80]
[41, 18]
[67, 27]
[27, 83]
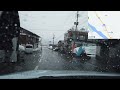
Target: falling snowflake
[6, 27]
[15, 25]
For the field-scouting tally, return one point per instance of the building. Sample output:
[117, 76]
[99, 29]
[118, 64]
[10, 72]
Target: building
[76, 35]
[27, 37]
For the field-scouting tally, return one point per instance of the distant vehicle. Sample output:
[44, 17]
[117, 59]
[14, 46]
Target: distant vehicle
[29, 48]
[56, 49]
[50, 47]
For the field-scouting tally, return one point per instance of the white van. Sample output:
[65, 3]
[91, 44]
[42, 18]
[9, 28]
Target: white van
[29, 48]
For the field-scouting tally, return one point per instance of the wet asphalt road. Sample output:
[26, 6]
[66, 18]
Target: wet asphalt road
[51, 60]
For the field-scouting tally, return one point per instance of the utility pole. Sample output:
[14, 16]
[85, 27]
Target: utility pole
[53, 38]
[77, 20]
[76, 23]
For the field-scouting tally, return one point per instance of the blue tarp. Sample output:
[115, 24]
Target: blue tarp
[80, 50]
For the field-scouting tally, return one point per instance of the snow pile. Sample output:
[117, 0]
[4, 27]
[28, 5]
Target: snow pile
[21, 48]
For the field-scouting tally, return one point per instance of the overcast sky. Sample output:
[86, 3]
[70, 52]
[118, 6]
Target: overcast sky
[45, 23]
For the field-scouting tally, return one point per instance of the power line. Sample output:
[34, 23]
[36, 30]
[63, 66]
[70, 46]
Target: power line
[66, 22]
[59, 36]
[68, 18]
[79, 24]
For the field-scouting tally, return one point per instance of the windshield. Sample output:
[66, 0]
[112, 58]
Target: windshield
[61, 40]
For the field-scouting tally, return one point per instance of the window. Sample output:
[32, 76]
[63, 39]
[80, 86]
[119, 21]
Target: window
[52, 42]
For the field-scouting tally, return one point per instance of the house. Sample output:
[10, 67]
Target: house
[28, 37]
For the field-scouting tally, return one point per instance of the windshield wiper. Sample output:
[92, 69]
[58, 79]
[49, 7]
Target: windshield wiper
[79, 77]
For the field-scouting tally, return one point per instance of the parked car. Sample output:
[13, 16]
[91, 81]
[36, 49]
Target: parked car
[29, 48]
[50, 47]
[56, 49]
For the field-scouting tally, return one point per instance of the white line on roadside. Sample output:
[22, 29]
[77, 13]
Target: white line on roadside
[36, 67]
[40, 60]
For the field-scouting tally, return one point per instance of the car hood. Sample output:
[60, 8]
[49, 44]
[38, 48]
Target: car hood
[45, 73]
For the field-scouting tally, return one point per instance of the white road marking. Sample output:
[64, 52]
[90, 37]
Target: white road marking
[40, 60]
[36, 67]
[38, 63]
